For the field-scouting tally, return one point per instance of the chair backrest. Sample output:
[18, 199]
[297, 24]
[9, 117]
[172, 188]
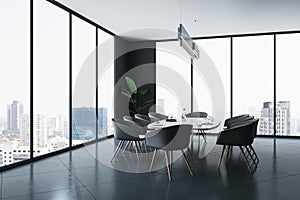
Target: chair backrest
[157, 116]
[255, 121]
[240, 135]
[175, 137]
[197, 115]
[144, 117]
[239, 121]
[235, 118]
[125, 130]
[137, 121]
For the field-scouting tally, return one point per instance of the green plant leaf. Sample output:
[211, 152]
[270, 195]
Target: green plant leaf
[126, 94]
[133, 112]
[143, 91]
[133, 101]
[131, 84]
[149, 101]
[139, 109]
[146, 105]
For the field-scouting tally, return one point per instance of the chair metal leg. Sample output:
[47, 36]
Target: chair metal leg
[251, 155]
[117, 150]
[251, 147]
[127, 144]
[243, 153]
[199, 137]
[187, 162]
[136, 150]
[229, 149]
[120, 147]
[167, 161]
[171, 159]
[152, 161]
[145, 146]
[220, 161]
[203, 135]
[140, 147]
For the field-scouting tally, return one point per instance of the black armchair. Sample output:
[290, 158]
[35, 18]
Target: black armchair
[197, 115]
[234, 119]
[127, 131]
[144, 117]
[170, 139]
[239, 121]
[157, 116]
[241, 135]
[139, 122]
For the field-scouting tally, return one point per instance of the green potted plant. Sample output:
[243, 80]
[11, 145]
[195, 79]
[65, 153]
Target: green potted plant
[134, 95]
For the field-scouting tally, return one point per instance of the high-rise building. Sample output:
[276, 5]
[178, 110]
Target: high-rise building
[24, 130]
[66, 129]
[52, 126]
[283, 121]
[14, 112]
[102, 121]
[83, 123]
[41, 131]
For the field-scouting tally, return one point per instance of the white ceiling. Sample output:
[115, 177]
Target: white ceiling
[213, 17]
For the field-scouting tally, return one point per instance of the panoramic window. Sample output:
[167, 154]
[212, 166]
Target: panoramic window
[253, 79]
[218, 51]
[51, 78]
[287, 76]
[173, 78]
[84, 81]
[105, 83]
[15, 81]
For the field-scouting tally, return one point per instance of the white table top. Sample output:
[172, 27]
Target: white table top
[198, 123]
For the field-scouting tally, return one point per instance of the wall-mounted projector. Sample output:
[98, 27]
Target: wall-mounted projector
[187, 42]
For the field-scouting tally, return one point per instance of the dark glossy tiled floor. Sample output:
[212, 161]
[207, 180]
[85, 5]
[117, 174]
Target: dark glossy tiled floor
[80, 174]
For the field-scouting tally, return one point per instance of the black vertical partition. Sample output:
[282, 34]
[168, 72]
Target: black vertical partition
[135, 60]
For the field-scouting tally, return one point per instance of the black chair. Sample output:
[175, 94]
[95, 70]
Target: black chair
[198, 115]
[235, 118]
[157, 116]
[139, 122]
[127, 131]
[144, 117]
[235, 121]
[170, 139]
[241, 135]
[243, 120]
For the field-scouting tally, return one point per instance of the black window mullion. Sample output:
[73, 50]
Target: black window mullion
[97, 114]
[70, 81]
[231, 77]
[192, 85]
[31, 80]
[274, 85]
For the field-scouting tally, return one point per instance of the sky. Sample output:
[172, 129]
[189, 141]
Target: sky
[51, 56]
[252, 62]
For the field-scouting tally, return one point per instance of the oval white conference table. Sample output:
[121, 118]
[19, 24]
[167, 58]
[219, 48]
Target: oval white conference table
[199, 124]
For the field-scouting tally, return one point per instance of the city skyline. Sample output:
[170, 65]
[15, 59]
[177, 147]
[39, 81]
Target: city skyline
[51, 133]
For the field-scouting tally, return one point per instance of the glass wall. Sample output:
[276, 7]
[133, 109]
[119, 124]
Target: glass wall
[253, 79]
[14, 81]
[173, 78]
[218, 50]
[105, 83]
[84, 81]
[51, 78]
[287, 80]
